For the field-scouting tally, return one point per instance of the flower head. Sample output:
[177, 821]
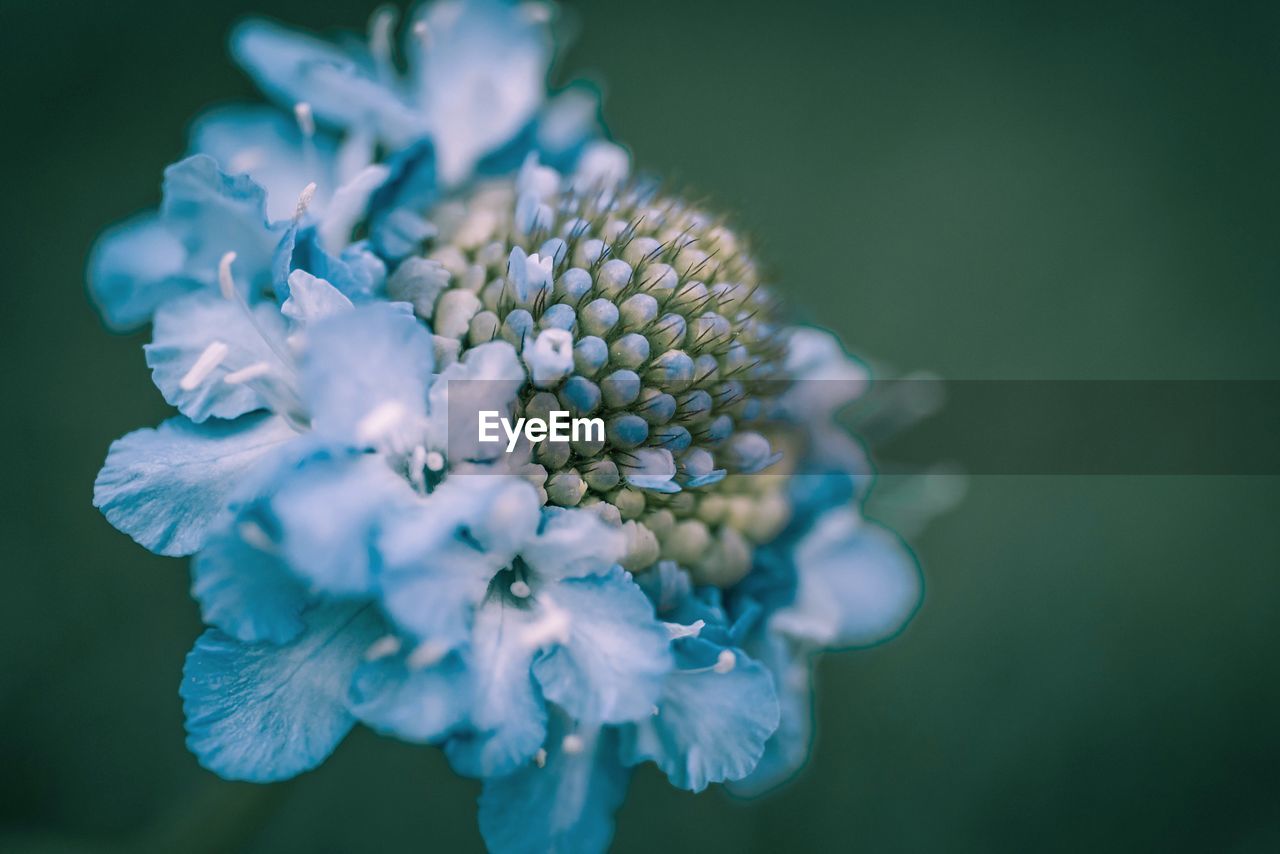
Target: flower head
[338, 289]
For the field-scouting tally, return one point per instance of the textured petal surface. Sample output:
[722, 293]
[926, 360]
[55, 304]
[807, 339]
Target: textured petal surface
[421, 704]
[573, 543]
[566, 806]
[711, 726]
[184, 331]
[245, 590]
[133, 268]
[165, 487]
[610, 663]
[262, 712]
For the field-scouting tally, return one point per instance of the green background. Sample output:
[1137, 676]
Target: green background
[987, 190]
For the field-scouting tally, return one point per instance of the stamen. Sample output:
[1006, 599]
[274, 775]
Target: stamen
[536, 13]
[520, 589]
[304, 199]
[654, 710]
[225, 282]
[435, 461]
[381, 23]
[572, 744]
[422, 32]
[253, 535]
[426, 654]
[305, 118]
[383, 647]
[247, 374]
[540, 758]
[209, 359]
[676, 630]
[725, 661]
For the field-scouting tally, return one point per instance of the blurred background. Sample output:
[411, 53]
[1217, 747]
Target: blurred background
[988, 190]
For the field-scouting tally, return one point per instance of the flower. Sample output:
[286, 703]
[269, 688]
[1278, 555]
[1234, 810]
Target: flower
[337, 290]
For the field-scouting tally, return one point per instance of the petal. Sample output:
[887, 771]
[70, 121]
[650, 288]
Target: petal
[573, 543]
[365, 374]
[412, 703]
[566, 806]
[509, 718]
[261, 712]
[438, 560]
[788, 748]
[857, 584]
[135, 267]
[311, 299]
[330, 513]
[185, 331]
[294, 68]
[164, 487]
[481, 80]
[213, 213]
[610, 664]
[266, 144]
[711, 725]
[244, 589]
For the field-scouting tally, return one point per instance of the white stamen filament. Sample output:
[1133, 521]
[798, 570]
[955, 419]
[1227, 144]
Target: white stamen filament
[253, 535]
[304, 199]
[540, 758]
[676, 630]
[435, 461]
[426, 654]
[383, 647]
[725, 661]
[247, 374]
[305, 118]
[422, 32]
[520, 589]
[381, 24]
[209, 359]
[572, 744]
[226, 283]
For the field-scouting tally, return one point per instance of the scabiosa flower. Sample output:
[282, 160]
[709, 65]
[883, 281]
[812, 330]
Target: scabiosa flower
[338, 289]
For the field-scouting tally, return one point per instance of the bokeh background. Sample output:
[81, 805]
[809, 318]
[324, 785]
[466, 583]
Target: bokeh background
[988, 190]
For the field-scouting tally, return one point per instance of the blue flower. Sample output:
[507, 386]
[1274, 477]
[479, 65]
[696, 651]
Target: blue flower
[337, 290]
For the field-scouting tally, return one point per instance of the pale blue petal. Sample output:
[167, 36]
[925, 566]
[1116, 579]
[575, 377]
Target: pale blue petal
[566, 806]
[261, 712]
[213, 213]
[788, 748]
[573, 543]
[329, 514]
[611, 664]
[340, 86]
[857, 584]
[481, 79]
[710, 726]
[245, 590]
[165, 487]
[438, 560]
[135, 267]
[509, 718]
[185, 327]
[311, 299]
[415, 704]
[265, 143]
[372, 361]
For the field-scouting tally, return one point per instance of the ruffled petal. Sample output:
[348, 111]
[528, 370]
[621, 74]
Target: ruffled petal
[566, 806]
[198, 341]
[365, 375]
[857, 584]
[788, 748]
[420, 704]
[330, 513]
[611, 656]
[573, 543]
[339, 85]
[267, 144]
[481, 79]
[714, 717]
[311, 299]
[261, 712]
[508, 720]
[165, 487]
[133, 268]
[244, 588]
